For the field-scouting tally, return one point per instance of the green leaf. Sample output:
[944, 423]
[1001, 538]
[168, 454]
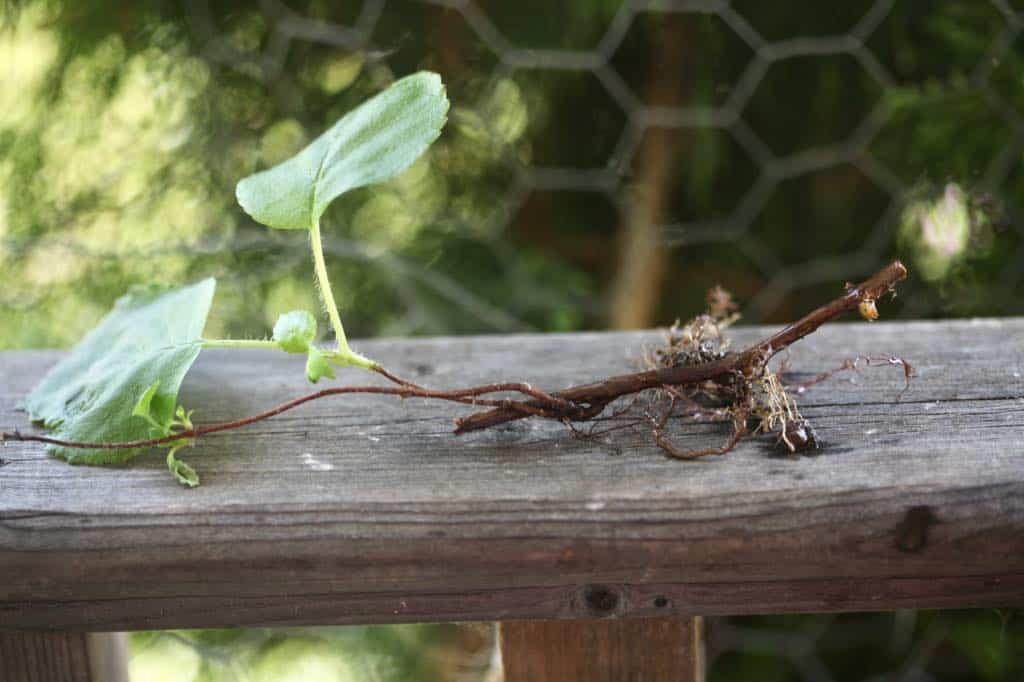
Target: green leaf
[144, 408]
[317, 366]
[294, 331]
[185, 474]
[130, 366]
[372, 143]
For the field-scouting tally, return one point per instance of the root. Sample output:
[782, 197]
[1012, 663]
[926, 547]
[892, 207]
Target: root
[739, 430]
[778, 411]
[854, 364]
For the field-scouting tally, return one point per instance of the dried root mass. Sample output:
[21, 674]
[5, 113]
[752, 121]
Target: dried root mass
[751, 402]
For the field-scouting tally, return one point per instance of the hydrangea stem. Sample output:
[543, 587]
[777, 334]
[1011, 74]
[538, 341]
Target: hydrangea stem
[344, 355]
[325, 285]
[238, 343]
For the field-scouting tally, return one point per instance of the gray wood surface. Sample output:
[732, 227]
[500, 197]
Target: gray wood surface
[363, 509]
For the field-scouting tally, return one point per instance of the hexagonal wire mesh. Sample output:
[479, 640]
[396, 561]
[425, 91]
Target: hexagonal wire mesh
[714, 146]
[675, 88]
[774, 149]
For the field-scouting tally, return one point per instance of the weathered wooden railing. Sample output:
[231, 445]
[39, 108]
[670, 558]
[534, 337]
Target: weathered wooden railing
[368, 510]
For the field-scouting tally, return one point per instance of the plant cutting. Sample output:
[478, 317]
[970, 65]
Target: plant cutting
[116, 393]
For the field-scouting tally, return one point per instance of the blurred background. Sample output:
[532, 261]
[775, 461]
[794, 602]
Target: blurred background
[604, 164]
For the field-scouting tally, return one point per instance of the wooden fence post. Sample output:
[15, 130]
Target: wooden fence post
[63, 657]
[609, 650]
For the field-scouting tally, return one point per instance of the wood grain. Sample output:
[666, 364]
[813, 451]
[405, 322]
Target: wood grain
[611, 650]
[367, 509]
[63, 657]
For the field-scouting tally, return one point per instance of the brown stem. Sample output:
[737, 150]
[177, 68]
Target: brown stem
[542, 405]
[871, 289]
[600, 393]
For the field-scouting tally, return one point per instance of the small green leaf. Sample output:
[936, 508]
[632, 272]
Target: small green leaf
[185, 474]
[295, 331]
[317, 366]
[144, 408]
[182, 419]
[131, 364]
[372, 143]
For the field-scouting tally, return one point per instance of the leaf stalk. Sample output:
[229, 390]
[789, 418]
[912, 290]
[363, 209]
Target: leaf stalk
[238, 343]
[344, 355]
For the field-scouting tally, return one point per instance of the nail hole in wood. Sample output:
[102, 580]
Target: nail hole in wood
[600, 599]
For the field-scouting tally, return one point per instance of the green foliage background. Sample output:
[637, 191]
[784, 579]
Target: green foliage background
[125, 125]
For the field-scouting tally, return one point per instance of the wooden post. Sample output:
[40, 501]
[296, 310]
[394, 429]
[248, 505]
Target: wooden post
[63, 657]
[610, 650]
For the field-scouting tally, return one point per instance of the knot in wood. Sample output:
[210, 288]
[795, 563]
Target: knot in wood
[600, 600]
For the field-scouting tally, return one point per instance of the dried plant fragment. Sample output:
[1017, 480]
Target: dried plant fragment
[737, 398]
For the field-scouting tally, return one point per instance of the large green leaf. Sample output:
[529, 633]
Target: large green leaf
[120, 383]
[372, 143]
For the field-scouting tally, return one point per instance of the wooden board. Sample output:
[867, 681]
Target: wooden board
[63, 657]
[368, 510]
[609, 650]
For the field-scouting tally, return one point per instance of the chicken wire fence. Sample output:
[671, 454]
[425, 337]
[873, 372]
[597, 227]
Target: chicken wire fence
[606, 163]
[641, 106]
